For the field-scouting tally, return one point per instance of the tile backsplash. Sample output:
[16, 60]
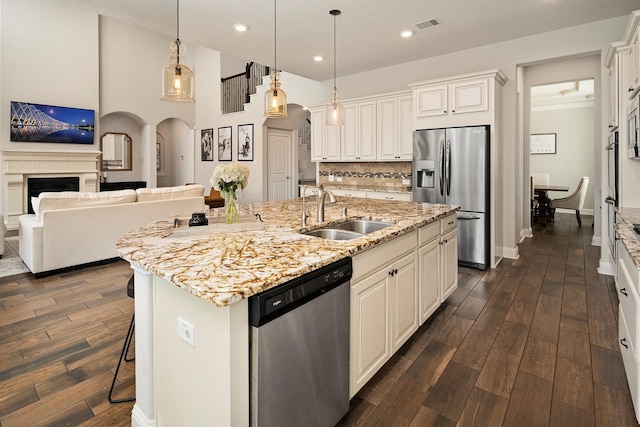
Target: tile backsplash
[386, 175]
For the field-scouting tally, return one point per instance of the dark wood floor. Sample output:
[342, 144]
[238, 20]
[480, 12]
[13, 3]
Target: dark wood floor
[531, 343]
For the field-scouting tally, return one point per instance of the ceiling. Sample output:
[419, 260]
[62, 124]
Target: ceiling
[367, 31]
[562, 95]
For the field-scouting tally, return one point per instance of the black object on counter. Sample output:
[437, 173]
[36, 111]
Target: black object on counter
[197, 219]
[636, 228]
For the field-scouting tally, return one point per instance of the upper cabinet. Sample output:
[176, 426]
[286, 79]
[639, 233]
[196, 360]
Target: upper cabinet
[464, 100]
[612, 62]
[395, 128]
[454, 98]
[375, 129]
[325, 140]
[629, 58]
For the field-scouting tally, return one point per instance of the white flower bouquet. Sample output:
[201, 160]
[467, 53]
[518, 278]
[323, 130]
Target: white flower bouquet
[226, 178]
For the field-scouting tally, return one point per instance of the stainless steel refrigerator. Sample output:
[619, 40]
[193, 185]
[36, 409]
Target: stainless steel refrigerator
[451, 166]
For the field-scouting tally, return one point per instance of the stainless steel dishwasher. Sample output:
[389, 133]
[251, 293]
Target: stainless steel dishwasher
[300, 350]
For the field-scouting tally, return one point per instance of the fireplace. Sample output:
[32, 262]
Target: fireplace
[21, 166]
[35, 186]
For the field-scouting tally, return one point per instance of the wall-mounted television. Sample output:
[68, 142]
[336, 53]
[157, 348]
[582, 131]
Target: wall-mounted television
[48, 123]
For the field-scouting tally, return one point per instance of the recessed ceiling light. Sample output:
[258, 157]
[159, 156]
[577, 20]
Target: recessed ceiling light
[318, 58]
[406, 33]
[240, 27]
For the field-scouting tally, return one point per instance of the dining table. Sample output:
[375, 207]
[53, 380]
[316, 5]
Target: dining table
[543, 210]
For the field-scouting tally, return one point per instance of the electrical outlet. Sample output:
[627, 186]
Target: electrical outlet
[339, 179]
[405, 182]
[186, 332]
[331, 178]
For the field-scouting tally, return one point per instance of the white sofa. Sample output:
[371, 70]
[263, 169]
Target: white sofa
[74, 228]
[3, 232]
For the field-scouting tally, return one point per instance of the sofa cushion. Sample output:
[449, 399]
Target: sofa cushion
[164, 193]
[48, 201]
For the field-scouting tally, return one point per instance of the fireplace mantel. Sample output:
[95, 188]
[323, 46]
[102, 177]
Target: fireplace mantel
[19, 165]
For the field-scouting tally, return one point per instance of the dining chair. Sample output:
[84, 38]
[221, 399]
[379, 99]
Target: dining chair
[574, 202]
[534, 200]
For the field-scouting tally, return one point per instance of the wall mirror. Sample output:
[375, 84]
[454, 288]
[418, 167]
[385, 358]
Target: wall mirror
[116, 152]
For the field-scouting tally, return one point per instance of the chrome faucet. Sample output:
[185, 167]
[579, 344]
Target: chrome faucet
[320, 201]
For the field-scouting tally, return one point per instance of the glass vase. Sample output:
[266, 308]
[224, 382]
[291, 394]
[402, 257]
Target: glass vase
[231, 207]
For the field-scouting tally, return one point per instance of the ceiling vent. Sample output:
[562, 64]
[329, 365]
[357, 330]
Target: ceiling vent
[433, 22]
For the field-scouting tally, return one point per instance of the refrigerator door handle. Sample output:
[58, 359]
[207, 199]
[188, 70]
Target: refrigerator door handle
[448, 168]
[442, 169]
[468, 217]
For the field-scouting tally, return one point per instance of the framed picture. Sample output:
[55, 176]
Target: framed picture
[48, 123]
[224, 144]
[542, 143]
[206, 145]
[245, 143]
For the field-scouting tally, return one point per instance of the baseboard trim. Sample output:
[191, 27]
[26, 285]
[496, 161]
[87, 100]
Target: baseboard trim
[139, 419]
[596, 241]
[588, 212]
[524, 233]
[511, 253]
[606, 268]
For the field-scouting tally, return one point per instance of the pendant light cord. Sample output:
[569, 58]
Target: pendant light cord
[178, 31]
[334, 51]
[275, 35]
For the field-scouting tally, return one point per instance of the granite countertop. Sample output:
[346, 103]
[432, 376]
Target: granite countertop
[225, 263]
[628, 237]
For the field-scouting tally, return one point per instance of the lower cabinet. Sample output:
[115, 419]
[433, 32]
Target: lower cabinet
[404, 197]
[384, 306]
[438, 264]
[395, 287]
[627, 285]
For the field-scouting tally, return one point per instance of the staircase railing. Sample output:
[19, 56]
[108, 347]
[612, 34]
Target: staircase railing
[237, 89]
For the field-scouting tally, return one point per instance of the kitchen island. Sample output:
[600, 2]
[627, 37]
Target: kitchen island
[192, 285]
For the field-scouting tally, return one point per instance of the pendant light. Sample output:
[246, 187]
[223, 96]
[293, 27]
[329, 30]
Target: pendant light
[334, 110]
[275, 99]
[177, 78]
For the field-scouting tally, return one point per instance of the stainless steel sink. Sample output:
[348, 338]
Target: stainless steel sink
[362, 226]
[348, 230]
[333, 234]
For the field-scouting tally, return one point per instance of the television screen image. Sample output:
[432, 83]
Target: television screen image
[47, 123]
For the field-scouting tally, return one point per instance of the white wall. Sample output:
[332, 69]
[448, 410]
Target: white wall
[574, 149]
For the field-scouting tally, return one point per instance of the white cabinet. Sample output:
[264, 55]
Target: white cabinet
[634, 63]
[349, 193]
[465, 96]
[438, 264]
[614, 92]
[404, 197]
[359, 132]
[627, 285]
[395, 128]
[325, 140]
[384, 306]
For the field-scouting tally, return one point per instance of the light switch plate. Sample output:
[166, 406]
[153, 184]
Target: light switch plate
[405, 182]
[339, 179]
[331, 178]
[186, 332]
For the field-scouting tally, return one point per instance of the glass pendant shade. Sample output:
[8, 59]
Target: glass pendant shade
[177, 79]
[335, 112]
[275, 99]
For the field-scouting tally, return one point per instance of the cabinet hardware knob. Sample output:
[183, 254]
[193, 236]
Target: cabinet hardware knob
[391, 273]
[623, 291]
[453, 111]
[445, 111]
[623, 341]
[446, 241]
[630, 89]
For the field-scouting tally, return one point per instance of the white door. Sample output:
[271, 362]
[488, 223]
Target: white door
[280, 164]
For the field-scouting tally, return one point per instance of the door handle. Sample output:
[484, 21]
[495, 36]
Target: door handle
[623, 341]
[448, 168]
[442, 170]
[610, 200]
[470, 217]
[623, 291]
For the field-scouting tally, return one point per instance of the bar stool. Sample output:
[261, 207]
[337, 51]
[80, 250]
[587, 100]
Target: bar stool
[125, 349]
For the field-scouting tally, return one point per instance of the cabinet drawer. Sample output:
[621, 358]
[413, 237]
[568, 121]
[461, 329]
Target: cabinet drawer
[349, 193]
[448, 223]
[628, 297]
[378, 256]
[629, 359]
[428, 232]
[624, 259]
[389, 196]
